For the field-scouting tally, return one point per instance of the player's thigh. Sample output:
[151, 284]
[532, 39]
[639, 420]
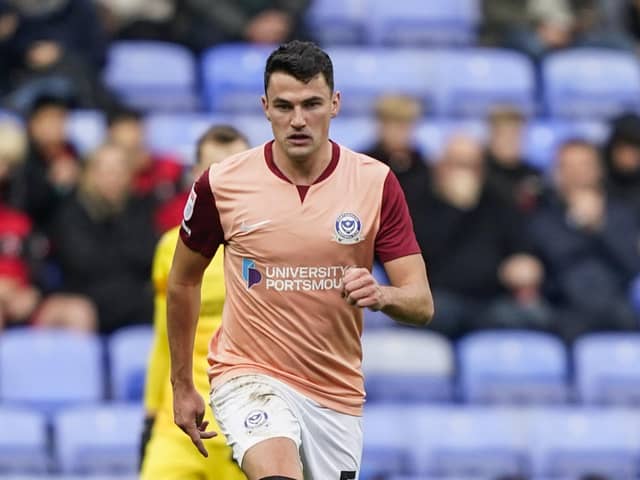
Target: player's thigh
[249, 411]
[273, 457]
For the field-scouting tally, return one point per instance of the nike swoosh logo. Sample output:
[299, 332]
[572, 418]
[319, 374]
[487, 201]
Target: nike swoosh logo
[247, 227]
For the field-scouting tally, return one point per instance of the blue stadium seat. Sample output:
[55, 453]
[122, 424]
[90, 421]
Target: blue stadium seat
[407, 365]
[50, 369]
[356, 133]
[573, 442]
[472, 82]
[23, 441]
[363, 74]
[419, 22]
[454, 440]
[255, 127]
[86, 129]
[591, 82]
[607, 367]
[152, 75]
[337, 22]
[432, 135]
[512, 366]
[177, 133]
[128, 350]
[233, 77]
[386, 446]
[98, 439]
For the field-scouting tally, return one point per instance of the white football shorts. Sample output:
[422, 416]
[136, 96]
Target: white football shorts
[253, 408]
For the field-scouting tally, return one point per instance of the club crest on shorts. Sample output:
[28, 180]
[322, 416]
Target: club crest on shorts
[348, 228]
[188, 208]
[255, 418]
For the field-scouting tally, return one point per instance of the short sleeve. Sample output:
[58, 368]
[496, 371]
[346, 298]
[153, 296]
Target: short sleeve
[201, 229]
[395, 237]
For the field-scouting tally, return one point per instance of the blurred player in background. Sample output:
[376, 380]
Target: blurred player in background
[301, 219]
[166, 452]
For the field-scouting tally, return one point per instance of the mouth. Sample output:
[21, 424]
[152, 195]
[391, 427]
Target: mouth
[299, 139]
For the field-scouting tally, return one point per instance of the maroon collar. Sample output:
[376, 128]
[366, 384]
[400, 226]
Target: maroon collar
[335, 156]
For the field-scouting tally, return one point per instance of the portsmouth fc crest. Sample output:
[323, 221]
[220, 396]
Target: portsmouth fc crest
[348, 229]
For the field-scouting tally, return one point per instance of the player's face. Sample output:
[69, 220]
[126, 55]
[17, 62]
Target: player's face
[300, 113]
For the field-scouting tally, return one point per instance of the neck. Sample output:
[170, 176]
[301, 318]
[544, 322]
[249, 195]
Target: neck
[302, 171]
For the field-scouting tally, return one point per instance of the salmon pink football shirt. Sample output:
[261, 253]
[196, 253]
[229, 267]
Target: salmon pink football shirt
[286, 248]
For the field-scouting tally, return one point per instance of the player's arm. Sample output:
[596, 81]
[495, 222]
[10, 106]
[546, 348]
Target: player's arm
[200, 235]
[408, 299]
[183, 304]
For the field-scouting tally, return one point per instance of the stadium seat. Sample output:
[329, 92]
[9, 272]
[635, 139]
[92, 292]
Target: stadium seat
[407, 365]
[177, 133]
[473, 81]
[386, 446]
[607, 367]
[512, 366]
[337, 22]
[152, 75]
[363, 74]
[128, 350]
[233, 76]
[591, 82]
[416, 22]
[50, 369]
[454, 440]
[86, 129]
[573, 442]
[98, 439]
[23, 441]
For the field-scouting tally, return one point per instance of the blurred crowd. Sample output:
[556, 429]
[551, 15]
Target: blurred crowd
[506, 245]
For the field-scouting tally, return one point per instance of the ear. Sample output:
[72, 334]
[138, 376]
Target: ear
[265, 106]
[335, 104]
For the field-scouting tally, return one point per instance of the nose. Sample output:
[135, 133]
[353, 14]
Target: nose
[297, 120]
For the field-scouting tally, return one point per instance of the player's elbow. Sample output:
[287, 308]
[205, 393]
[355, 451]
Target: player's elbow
[426, 311]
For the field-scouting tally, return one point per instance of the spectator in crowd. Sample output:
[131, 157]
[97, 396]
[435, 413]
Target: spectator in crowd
[589, 244]
[157, 177]
[538, 27]
[397, 117]
[21, 300]
[474, 244]
[207, 23]
[622, 160]
[55, 47]
[215, 145]
[13, 151]
[508, 173]
[52, 167]
[104, 240]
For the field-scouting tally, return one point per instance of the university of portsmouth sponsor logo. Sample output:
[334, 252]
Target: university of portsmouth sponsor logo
[250, 273]
[348, 228]
[287, 278]
[255, 419]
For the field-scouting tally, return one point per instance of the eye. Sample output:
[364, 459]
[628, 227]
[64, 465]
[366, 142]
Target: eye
[283, 106]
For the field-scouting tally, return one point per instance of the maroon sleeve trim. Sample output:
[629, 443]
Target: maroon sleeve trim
[201, 229]
[395, 237]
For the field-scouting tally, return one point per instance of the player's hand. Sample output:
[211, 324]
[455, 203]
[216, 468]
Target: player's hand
[188, 414]
[360, 288]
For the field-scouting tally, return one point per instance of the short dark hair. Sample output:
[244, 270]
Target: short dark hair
[123, 114]
[222, 134]
[302, 60]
